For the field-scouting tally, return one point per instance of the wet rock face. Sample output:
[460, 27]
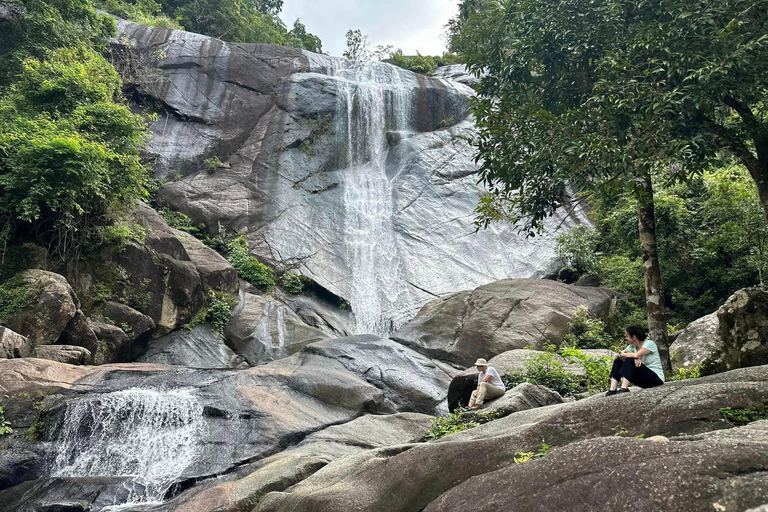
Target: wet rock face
[321, 154]
[498, 317]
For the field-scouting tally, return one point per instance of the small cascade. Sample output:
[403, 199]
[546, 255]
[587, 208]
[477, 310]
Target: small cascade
[147, 436]
[372, 100]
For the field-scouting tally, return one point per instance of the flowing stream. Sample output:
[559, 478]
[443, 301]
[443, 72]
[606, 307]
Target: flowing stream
[147, 436]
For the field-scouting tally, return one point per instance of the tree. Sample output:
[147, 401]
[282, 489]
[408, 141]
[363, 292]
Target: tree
[300, 38]
[610, 94]
[271, 7]
[357, 46]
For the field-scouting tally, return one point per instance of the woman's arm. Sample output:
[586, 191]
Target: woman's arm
[640, 353]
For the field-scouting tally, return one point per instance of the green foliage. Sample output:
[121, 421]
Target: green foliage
[217, 311]
[213, 163]
[742, 416]
[542, 452]
[598, 369]
[35, 432]
[577, 249]
[118, 236]
[69, 153]
[248, 267]
[419, 64]
[599, 94]
[16, 295]
[241, 21]
[459, 421]
[5, 426]
[543, 369]
[692, 372]
[319, 127]
[586, 332]
[712, 241]
[292, 282]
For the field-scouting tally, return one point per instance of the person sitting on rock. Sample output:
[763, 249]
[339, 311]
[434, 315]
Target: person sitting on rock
[638, 364]
[489, 384]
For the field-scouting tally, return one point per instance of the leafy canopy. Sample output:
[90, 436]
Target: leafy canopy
[600, 93]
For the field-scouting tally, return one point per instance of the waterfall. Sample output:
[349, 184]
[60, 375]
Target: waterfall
[373, 99]
[148, 436]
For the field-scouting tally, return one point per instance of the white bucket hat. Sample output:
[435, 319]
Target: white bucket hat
[481, 362]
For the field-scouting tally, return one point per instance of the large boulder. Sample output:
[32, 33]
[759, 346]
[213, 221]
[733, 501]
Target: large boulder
[411, 381]
[306, 179]
[56, 305]
[263, 329]
[13, 344]
[79, 333]
[215, 272]
[500, 316]
[199, 347]
[710, 473]
[63, 354]
[520, 398]
[743, 330]
[280, 471]
[123, 333]
[411, 477]
[697, 343]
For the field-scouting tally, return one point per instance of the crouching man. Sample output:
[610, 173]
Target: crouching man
[489, 385]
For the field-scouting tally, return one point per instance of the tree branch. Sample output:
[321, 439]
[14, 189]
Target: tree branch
[725, 140]
[746, 114]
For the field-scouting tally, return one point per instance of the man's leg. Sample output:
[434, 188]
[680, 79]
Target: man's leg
[473, 398]
[492, 391]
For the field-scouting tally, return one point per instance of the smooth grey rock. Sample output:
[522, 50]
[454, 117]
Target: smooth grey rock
[112, 341]
[65, 495]
[697, 343]
[200, 347]
[79, 333]
[520, 398]
[136, 326]
[370, 478]
[457, 73]
[687, 477]
[411, 381]
[13, 344]
[497, 317]
[320, 314]
[57, 303]
[215, 272]
[262, 329]
[278, 118]
[280, 471]
[63, 354]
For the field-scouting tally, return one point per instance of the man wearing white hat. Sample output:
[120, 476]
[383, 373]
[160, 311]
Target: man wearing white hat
[489, 384]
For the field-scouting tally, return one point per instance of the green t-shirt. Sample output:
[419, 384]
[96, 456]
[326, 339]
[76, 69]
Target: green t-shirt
[652, 360]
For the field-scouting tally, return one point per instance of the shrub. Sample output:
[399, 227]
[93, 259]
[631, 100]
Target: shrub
[692, 372]
[213, 163]
[292, 282]
[745, 415]
[458, 421]
[544, 370]
[586, 332]
[542, 452]
[578, 249]
[5, 427]
[15, 295]
[220, 306]
[118, 236]
[598, 369]
[248, 267]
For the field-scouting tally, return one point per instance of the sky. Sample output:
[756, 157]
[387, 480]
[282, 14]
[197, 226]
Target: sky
[412, 25]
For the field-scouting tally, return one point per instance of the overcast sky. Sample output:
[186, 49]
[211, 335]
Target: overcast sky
[407, 24]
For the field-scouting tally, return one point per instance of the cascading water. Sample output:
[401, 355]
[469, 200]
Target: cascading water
[372, 100]
[147, 436]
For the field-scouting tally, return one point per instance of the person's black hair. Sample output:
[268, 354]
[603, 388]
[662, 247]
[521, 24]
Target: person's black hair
[638, 331]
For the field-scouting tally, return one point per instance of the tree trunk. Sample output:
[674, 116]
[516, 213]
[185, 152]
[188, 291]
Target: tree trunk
[654, 290]
[759, 171]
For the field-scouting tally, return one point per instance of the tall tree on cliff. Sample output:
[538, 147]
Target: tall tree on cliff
[613, 94]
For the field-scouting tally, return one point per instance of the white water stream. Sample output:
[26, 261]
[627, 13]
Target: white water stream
[147, 436]
[372, 100]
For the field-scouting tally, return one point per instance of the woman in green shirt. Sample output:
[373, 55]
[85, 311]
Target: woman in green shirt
[638, 364]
